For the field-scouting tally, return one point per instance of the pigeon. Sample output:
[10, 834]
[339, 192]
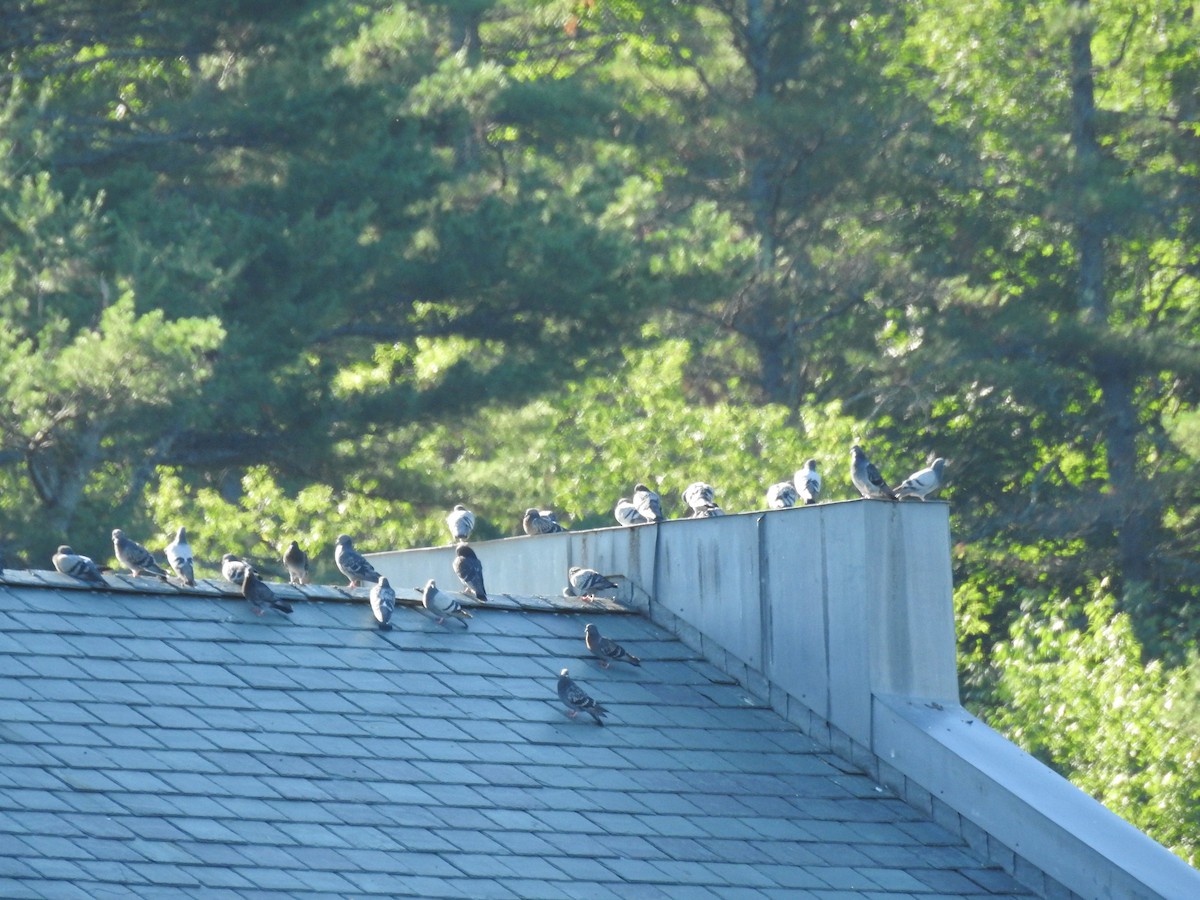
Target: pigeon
[383, 603]
[540, 521]
[179, 557]
[923, 483]
[606, 649]
[576, 699]
[134, 556]
[260, 596]
[867, 478]
[441, 604]
[353, 564]
[647, 503]
[708, 512]
[461, 522]
[782, 495]
[469, 570]
[234, 568]
[701, 499]
[808, 482]
[295, 561]
[627, 514]
[585, 583]
[71, 563]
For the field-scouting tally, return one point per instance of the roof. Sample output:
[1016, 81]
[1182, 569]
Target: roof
[161, 743]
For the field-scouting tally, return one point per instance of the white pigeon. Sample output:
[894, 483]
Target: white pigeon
[586, 583]
[922, 483]
[134, 556]
[441, 604]
[383, 603]
[866, 477]
[782, 495]
[234, 568]
[461, 522]
[576, 699]
[179, 557]
[626, 513]
[295, 561]
[808, 482]
[78, 566]
[351, 563]
[647, 502]
[540, 521]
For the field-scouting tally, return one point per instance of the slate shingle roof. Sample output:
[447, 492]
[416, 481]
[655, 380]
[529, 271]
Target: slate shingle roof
[164, 745]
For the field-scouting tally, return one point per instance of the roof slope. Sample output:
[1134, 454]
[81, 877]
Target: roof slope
[156, 744]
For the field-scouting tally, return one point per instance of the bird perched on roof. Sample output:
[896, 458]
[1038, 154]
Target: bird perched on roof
[647, 502]
[922, 483]
[701, 500]
[540, 521]
[179, 557]
[606, 649]
[626, 513]
[469, 570]
[441, 604]
[351, 563]
[782, 495]
[383, 603]
[867, 478]
[134, 556]
[78, 566]
[461, 522]
[260, 596]
[576, 699]
[234, 568]
[586, 583]
[295, 561]
[808, 482]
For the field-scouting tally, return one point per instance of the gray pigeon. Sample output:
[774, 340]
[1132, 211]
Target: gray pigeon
[295, 561]
[606, 649]
[575, 699]
[626, 513]
[461, 522]
[179, 557]
[782, 495]
[647, 503]
[701, 500]
[709, 512]
[353, 564]
[134, 556]
[867, 478]
[540, 521]
[234, 568]
[808, 482]
[260, 596]
[469, 570]
[441, 604]
[71, 563]
[923, 483]
[586, 583]
[383, 603]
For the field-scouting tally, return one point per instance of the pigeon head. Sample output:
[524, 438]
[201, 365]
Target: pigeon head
[564, 673]
[117, 534]
[343, 539]
[590, 631]
[65, 550]
[464, 550]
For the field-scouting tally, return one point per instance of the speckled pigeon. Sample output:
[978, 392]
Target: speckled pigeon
[353, 564]
[576, 699]
[540, 521]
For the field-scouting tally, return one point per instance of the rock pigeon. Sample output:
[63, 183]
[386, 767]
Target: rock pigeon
[626, 513]
[179, 557]
[469, 570]
[708, 512]
[234, 568]
[134, 556]
[701, 499]
[867, 478]
[71, 563]
[923, 483]
[606, 649]
[461, 522]
[353, 564]
[647, 503]
[585, 583]
[782, 495]
[260, 596]
[441, 604]
[540, 521]
[295, 561]
[808, 482]
[383, 603]
[575, 699]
